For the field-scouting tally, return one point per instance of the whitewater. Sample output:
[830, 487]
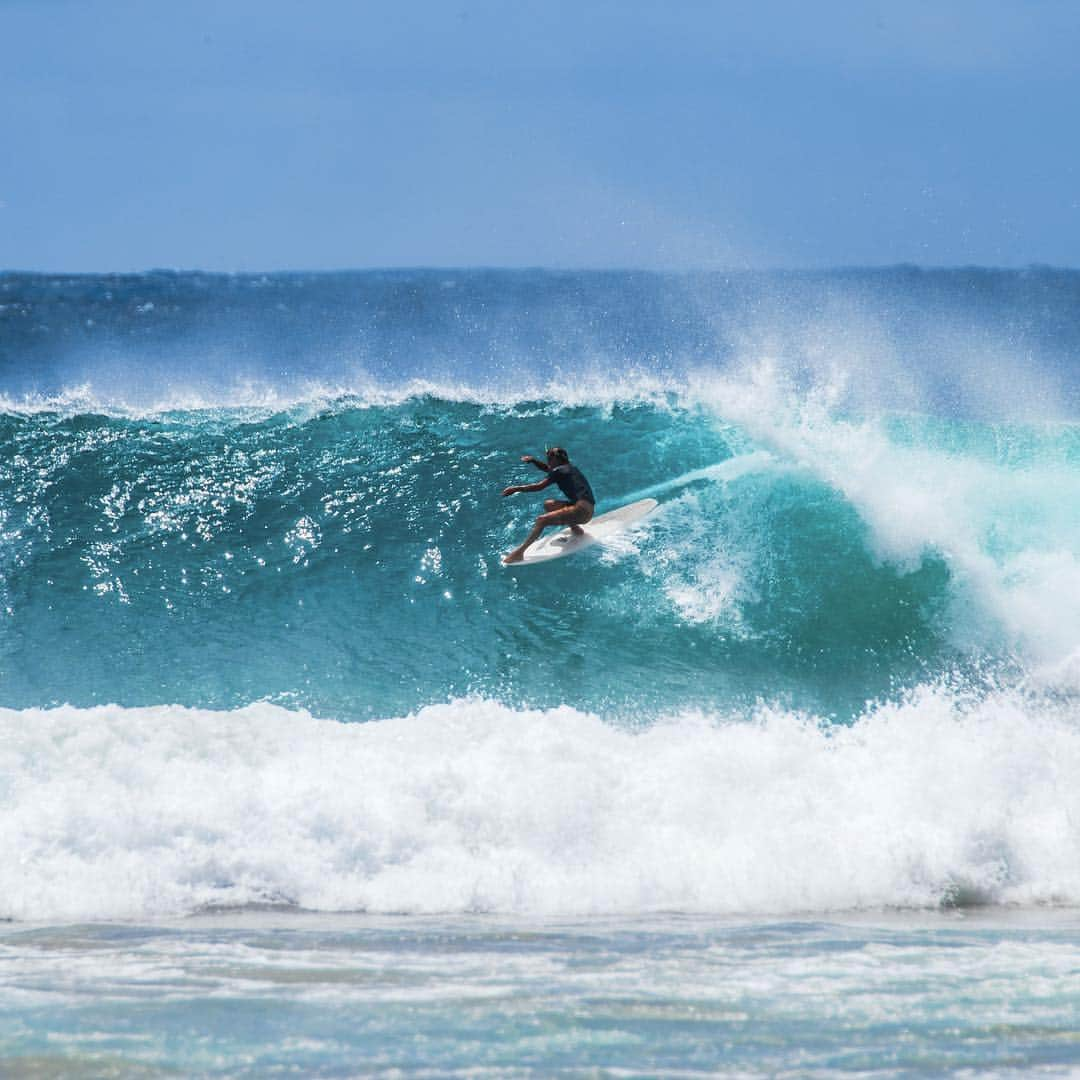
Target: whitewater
[476, 807]
[260, 662]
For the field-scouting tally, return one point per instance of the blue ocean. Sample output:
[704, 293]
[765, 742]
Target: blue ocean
[296, 777]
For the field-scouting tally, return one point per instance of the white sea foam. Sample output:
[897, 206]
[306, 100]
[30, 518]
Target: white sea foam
[118, 813]
[1010, 534]
[582, 390]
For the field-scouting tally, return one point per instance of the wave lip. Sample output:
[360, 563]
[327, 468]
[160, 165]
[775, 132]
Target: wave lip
[598, 390]
[473, 806]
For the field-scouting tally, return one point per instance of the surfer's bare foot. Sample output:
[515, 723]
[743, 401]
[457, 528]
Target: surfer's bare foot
[514, 556]
[577, 530]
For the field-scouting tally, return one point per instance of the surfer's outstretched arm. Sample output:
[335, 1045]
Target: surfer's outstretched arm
[538, 486]
[530, 460]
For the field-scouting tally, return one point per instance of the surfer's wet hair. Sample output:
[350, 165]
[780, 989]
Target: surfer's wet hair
[559, 454]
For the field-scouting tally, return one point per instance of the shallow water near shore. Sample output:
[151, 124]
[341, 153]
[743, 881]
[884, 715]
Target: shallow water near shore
[270, 993]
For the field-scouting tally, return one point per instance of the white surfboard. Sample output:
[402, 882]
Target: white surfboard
[554, 545]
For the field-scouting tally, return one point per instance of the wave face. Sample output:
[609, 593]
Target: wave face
[862, 586]
[345, 557]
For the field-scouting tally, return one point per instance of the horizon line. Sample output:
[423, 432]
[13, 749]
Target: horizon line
[481, 268]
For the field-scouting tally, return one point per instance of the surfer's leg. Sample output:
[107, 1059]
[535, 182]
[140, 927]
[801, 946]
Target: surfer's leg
[573, 514]
[581, 514]
[565, 514]
[519, 552]
[562, 504]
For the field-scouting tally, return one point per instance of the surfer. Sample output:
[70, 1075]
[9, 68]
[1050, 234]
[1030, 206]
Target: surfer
[575, 510]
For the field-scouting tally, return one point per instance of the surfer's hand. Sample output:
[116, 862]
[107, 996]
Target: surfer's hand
[510, 491]
[528, 458]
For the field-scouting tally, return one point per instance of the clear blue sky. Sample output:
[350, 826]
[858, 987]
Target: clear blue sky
[262, 134]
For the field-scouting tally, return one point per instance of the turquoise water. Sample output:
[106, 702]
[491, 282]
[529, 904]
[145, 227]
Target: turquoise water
[313, 556]
[258, 652]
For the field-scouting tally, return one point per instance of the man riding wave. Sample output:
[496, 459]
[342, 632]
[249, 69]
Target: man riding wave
[574, 510]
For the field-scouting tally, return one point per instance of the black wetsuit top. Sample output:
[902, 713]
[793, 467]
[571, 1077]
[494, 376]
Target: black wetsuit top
[572, 483]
